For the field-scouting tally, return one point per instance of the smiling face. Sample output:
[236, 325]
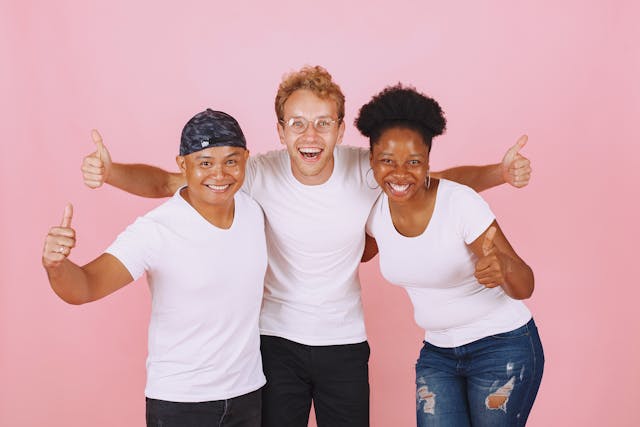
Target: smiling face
[213, 175]
[311, 152]
[400, 163]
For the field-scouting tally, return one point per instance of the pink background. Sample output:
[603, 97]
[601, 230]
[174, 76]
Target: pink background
[566, 73]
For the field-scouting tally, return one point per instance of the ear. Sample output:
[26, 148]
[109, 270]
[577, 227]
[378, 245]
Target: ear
[246, 155]
[280, 132]
[370, 159]
[341, 129]
[182, 164]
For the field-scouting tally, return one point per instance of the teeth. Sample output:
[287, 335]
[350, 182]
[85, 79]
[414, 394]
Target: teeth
[399, 188]
[306, 150]
[218, 187]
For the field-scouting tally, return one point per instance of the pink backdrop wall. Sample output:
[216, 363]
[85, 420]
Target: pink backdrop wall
[565, 73]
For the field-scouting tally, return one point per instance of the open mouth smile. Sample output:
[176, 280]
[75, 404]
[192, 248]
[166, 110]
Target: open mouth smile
[218, 188]
[310, 154]
[398, 189]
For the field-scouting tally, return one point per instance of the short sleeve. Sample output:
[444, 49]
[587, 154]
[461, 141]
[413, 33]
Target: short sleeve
[375, 216]
[473, 213]
[250, 173]
[134, 247]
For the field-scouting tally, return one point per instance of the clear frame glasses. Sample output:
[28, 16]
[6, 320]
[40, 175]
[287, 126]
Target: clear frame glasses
[301, 124]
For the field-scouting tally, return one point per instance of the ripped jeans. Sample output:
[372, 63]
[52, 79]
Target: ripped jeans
[489, 382]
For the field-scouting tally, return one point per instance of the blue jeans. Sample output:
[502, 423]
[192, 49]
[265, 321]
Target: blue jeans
[489, 382]
[241, 411]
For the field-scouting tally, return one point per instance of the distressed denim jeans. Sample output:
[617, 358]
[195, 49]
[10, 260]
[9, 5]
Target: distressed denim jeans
[489, 382]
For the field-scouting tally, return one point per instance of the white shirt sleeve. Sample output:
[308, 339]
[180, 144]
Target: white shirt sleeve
[474, 214]
[134, 246]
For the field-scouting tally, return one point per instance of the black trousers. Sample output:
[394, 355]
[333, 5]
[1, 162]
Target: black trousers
[241, 411]
[334, 377]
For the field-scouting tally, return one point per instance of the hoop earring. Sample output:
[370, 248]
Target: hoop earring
[427, 181]
[366, 180]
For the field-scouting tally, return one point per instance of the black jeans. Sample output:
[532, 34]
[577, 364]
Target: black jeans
[241, 411]
[335, 377]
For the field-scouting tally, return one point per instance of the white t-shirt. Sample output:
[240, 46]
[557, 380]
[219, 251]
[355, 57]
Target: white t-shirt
[206, 286]
[437, 267]
[315, 240]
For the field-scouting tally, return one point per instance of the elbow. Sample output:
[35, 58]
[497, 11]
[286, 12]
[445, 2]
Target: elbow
[72, 299]
[523, 293]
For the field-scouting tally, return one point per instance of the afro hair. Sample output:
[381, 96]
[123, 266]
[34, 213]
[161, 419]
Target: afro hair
[401, 106]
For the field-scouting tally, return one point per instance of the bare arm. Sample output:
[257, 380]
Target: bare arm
[144, 180]
[370, 248]
[499, 265]
[514, 169]
[139, 179]
[75, 284]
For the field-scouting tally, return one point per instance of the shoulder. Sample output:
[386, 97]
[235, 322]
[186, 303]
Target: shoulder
[246, 203]
[377, 215]
[352, 157]
[457, 192]
[270, 157]
[352, 152]
[169, 208]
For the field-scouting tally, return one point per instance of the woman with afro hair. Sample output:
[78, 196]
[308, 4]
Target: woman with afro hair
[482, 360]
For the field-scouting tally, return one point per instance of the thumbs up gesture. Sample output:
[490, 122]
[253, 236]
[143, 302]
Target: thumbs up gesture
[97, 165]
[59, 241]
[490, 268]
[516, 169]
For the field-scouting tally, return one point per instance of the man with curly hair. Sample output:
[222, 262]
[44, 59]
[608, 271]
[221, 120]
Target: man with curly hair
[316, 198]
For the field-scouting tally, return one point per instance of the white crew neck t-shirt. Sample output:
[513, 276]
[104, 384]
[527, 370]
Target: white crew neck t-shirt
[315, 240]
[206, 286]
[436, 269]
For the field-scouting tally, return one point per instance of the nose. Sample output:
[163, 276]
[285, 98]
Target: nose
[310, 131]
[400, 170]
[216, 171]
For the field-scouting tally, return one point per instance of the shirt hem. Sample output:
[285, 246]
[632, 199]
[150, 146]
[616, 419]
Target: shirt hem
[460, 342]
[182, 398]
[316, 342]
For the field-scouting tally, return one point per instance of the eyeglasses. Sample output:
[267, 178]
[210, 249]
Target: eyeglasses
[300, 124]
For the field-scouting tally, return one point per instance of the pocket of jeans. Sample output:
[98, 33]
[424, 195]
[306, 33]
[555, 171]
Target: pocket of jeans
[522, 331]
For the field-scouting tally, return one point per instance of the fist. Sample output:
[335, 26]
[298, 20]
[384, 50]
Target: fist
[516, 169]
[490, 268]
[96, 166]
[59, 241]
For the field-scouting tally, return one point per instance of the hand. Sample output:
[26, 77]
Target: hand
[516, 169]
[490, 268]
[97, 165]
[59, 241]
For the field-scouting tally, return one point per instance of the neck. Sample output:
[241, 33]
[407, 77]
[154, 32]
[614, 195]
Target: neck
[221, 215]
[317, 179]
[415, 207]
[410, 218]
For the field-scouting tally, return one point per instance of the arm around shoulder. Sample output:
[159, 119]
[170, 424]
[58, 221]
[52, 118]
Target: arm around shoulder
[145, 180]
[515, 169]
[142, 180]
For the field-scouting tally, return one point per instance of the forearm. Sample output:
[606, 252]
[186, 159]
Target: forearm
[70, 282]
[519, 281]
[479, 178]
[144, 180]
